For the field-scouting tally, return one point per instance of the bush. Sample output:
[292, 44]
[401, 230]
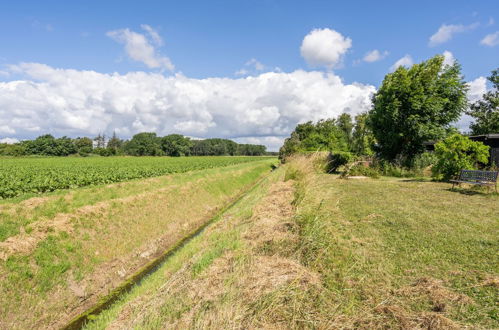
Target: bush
[455, 153]
[387, 168]
[337, 159]
[424, 160]
[422, 164]
[362, 170]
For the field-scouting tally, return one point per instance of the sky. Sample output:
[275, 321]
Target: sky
[245, 70]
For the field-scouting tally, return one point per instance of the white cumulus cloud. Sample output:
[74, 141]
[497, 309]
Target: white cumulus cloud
[476, 89]
[404, 61]
[139, 48]
[446, 32]
[448, 58]
[491, 40]
[9, 140]
[375, 55]
[85, 103]
[324, 47]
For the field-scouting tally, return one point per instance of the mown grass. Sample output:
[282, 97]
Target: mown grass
[373, 240]
[390, 253]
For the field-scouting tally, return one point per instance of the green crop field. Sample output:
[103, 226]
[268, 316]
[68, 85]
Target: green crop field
[37, 175]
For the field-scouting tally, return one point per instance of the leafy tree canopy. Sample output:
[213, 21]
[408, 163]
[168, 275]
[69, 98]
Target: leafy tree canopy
[486, 111]
[416, 105]
[144, 144]
[176, 145]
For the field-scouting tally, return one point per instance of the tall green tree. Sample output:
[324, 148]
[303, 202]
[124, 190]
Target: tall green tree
[416, 105]
[176, 145]
[115, 145]
[345, 124]
[84, 145]
[325, 135]
[100, 141]
[144, 144]
[47, 145]
[486, 111]
[362, 137]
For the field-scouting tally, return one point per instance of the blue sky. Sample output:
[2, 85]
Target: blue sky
[214, 39]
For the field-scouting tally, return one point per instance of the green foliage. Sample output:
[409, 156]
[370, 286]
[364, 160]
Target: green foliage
[346, 125]
[37, 175]
[416, 105]
[424, 160]
[144, 144]
[83, 145]
[337, 159]
[325, 135]
[251, 150]
[102, 151]
[47, 145]
[115, 145]
[224, 147]
[176, 145]
[486, 111]
[458, 152]
[14, 150]
[362, 136]
[362, 170]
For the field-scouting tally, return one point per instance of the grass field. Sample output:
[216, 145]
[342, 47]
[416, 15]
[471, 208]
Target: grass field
[30, 175]
[61, 252]
[310, 250]
[302, 249]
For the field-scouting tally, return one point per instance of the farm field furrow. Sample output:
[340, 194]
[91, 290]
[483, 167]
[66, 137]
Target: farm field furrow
[62, 252]
[20, 176]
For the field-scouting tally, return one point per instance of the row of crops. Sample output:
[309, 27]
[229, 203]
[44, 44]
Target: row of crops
[38, 175]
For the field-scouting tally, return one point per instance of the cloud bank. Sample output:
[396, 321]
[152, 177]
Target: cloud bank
[257, 109]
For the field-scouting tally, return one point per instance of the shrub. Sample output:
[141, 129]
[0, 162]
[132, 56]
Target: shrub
[337, 159]
[458, 152]
[362, 170]
[387, 168]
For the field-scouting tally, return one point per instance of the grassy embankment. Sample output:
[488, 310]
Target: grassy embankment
[323, 252]
[63, 251]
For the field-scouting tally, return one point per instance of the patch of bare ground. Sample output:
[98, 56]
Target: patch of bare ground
[245, 283]
[272, 218]
[26, 241]
[406, 320]
[124, 233]
[438, 295]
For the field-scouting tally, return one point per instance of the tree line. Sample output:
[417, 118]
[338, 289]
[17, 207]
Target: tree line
[413, 106]
[141, 144]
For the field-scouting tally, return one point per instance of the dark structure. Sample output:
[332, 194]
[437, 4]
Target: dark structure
[491, 140]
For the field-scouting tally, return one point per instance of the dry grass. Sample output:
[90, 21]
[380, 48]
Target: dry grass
[318, 252]
[76, 257]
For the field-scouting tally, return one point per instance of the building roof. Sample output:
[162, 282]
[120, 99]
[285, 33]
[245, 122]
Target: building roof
[487, 136]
